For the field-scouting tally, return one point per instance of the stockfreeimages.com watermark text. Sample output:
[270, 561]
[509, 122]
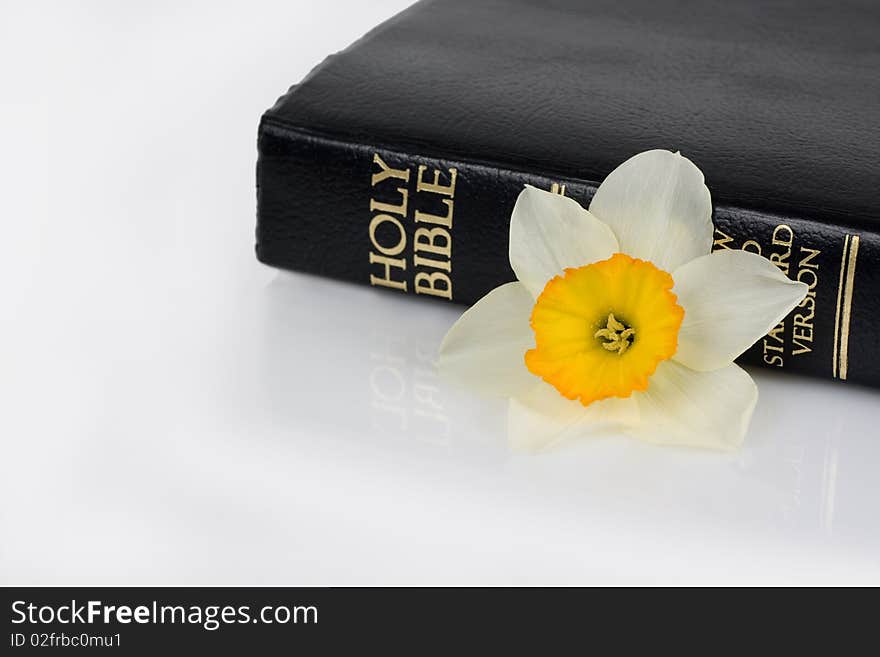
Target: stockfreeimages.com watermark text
[209, 617]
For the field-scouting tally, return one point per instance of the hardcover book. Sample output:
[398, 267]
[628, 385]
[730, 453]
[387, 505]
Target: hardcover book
[396, 163]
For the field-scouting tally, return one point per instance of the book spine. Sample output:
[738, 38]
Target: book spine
[437, 227]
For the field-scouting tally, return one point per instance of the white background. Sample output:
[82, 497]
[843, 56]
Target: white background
[173, 412]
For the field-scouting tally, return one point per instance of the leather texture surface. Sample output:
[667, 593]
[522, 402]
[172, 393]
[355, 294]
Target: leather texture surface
[774, 101]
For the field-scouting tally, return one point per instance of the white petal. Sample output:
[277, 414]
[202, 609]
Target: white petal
[549, 233]
[485, 349]
[542, 418]
[658, 207]
[731, 299]
[698, 409]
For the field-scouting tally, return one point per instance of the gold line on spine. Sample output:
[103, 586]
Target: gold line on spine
[847, 305]
[837, 309]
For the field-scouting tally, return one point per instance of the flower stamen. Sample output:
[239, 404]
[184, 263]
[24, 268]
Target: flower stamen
[617, 335]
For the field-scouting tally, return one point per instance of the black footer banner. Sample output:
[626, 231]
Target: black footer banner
[133, 621]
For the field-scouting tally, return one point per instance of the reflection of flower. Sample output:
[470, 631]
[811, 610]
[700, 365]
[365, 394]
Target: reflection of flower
[621, 316]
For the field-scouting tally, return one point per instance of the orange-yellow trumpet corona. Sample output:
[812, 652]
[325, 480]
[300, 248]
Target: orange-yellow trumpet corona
[602, 329]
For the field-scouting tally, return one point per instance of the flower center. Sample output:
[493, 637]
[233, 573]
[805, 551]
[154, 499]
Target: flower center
[602, 329]
[617, 337]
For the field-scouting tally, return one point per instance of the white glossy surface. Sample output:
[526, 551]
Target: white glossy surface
[173, 412]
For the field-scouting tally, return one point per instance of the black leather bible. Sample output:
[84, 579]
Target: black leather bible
[396, 162]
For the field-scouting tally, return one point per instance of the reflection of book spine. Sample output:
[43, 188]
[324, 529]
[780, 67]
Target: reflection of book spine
[437, 227]
[830, 465]
[382, 360]
[405, 395]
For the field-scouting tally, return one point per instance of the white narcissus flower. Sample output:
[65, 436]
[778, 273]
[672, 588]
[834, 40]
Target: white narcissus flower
[621, 315]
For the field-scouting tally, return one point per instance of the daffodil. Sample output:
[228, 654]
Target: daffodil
[621, 315]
